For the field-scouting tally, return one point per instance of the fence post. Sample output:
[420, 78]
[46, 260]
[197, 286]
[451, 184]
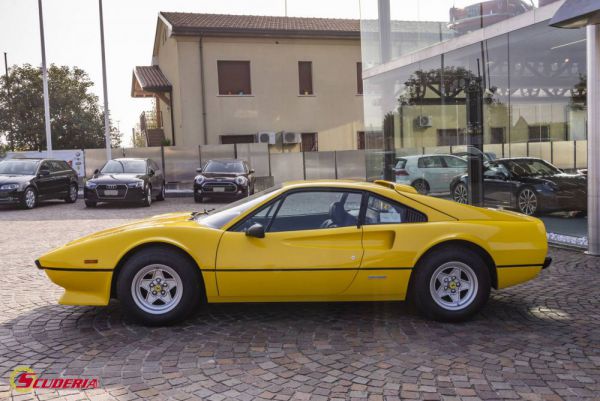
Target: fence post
[335, 163]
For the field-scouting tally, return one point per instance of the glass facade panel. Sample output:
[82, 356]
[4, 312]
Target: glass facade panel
[490, 99]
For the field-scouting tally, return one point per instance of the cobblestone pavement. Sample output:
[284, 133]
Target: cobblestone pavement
[538, 341]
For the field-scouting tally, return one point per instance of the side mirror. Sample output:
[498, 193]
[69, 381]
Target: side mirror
[151, 173]
[44, 172]
[251, 171]
[198, 170]
[96, 172]
[256, 231]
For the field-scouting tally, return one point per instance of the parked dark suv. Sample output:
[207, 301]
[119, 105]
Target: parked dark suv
[27, 181]
[224, 179]
[129, 180]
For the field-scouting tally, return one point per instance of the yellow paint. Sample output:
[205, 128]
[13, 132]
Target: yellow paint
[336, 264]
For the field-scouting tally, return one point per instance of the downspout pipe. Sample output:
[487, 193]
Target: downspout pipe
[203, 91]
[172, 116]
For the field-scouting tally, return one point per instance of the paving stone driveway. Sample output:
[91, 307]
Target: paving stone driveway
[538, 341]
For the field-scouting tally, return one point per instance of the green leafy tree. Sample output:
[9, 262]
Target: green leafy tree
[75, 116]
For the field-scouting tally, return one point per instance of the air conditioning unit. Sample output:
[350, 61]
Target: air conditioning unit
[291, 137]
[423, 121]
[267, 137]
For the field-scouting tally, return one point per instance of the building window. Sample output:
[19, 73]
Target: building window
[359, 79]
[305, 77]
[310, 142]
[229, 139]
[234, 77]
[497, 135]
[539, 133]
[451, 137]
[360, 140]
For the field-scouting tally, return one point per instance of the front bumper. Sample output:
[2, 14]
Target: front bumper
[220, 189]
[10, 197]
[563, 201]
[125, 194]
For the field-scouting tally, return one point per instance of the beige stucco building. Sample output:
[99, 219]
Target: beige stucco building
[224, 78]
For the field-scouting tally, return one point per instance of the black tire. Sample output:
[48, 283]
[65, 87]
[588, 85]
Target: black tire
[90, 203]
[147, 202]
[198, 198]
[72, 196]
[528, 202]
[460, 193]
[442, 262]
[189, 279]
[29, 199]
[421, 186]
[161, 195]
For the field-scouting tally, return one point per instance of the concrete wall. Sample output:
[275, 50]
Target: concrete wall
[335, 110]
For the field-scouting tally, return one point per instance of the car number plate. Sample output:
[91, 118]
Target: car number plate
[111, 192]
[219, 189]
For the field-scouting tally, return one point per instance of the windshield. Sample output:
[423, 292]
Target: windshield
[19, 167]
[219, 217]
[124, 167]
[224, 167]
[531, 168]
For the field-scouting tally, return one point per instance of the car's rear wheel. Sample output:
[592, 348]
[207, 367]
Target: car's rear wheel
[450, 284]
[528, 202]
[147, 197]
[460, 193]
[29, 198]
[72, 195]
[421, 186]
[162, 195]
[158, 287]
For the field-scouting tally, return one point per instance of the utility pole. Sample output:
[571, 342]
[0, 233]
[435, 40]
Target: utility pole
[45, 83]
[11, 141]
[104, 87]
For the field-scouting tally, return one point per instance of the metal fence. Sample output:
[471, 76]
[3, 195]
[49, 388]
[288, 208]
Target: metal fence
[180, 163]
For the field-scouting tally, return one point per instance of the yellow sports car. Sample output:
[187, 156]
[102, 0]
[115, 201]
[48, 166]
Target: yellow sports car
[306, 241]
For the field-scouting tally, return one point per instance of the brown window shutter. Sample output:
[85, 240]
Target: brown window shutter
[359, 80]
[305, 77]
[234, 77]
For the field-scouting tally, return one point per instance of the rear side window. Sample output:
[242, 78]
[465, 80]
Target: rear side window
[385, 211]
[401, 163]
[430, 162]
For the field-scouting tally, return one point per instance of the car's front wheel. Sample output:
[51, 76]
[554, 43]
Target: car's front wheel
[158, 287]
[198, 198]
[90, 203]
[460, 193]
[147, 197]
[528, 202]
[29, 199]
[450, 284]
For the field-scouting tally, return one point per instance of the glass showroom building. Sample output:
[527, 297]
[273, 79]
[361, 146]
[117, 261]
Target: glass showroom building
[482, 103]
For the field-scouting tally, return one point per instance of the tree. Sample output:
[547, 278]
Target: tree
[75, 116]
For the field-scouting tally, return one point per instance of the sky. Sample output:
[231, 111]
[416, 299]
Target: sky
[72, 33]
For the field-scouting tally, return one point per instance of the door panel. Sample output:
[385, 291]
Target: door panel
[301, 264]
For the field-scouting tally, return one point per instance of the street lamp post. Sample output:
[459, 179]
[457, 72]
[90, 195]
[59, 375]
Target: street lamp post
[45, 83]
[104, 87]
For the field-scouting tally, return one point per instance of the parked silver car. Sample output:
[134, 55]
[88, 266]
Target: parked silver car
[429, 173]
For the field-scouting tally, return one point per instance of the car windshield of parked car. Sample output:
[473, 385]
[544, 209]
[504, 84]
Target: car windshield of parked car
[219, 217]
[531, 168]
[124, 167]
[224, 167]
[19, 167]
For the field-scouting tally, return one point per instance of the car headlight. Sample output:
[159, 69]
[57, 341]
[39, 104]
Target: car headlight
[9, 186]
[137, 184]
[90, 185]
[241, 180]
[200, 179]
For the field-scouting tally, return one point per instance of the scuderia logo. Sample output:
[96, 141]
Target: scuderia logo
[24, 379]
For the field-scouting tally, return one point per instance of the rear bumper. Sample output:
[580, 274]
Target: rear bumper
[547, 262]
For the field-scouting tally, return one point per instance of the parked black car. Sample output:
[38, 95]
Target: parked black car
[224, 179]
[126, 180]
[27, 181]
[529, 185]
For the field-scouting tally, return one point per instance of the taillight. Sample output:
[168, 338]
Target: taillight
[401, 172]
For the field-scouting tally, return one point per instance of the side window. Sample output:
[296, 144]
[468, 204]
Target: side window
[55, 166]
[262, 216]
[311, 210]
[385, 211]
[455, 162]
[430, 162]
[46, 166]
